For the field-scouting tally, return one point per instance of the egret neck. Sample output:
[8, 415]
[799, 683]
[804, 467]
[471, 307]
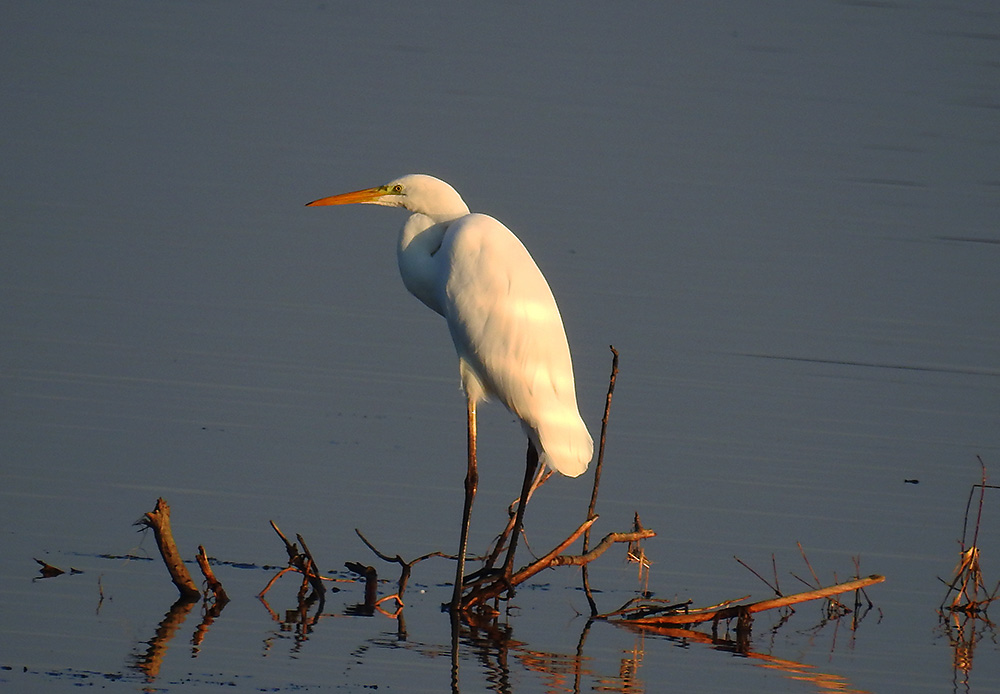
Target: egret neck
[419, 239]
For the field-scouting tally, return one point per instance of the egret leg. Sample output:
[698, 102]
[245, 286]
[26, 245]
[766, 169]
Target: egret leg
[541, 477]
[471, 483]
[530, 467]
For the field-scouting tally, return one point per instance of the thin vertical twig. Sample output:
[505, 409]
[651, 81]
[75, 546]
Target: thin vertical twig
[774, 568]
[968, 504]
[802, 551]
[311, 573]
[597, 474]
[774, 588]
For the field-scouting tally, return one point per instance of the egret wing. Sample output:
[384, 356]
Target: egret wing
[510, 338]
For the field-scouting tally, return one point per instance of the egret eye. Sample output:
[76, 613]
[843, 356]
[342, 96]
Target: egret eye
[397, 188]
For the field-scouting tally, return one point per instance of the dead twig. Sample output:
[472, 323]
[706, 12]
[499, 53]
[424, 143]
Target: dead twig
[159, 521]
[648, 607]
[214, 584]
[486, 591]
[636, 554]
[274, 579]
[834, 607]
[553, 558]
[404, 575]
[968, 584]
[979, 513]
[601, 548]
[715, 614]
[802, 551]
[774, 588]
[585, 576]
[302, 562]
[311, 573]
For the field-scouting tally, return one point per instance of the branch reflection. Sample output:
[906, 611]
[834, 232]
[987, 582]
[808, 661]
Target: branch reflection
[492, 645]
[150, 661]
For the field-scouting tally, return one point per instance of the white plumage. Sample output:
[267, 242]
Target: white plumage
[510, 338]
[504, 323]
[502, 316]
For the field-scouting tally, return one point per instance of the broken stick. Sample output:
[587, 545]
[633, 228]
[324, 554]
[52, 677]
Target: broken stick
[214, 584]
[159, 521]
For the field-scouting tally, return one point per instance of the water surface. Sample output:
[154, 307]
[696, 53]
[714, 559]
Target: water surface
[783, 215]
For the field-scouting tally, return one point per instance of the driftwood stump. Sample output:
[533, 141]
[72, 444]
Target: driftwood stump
[159, 521]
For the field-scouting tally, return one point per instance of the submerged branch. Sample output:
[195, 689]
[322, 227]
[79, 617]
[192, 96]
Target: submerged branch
[702, 615]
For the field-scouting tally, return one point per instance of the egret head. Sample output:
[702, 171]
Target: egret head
[415, 192]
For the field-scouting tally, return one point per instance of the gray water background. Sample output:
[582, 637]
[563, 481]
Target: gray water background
[782, 214]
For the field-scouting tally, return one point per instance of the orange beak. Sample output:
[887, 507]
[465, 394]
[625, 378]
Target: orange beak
[358, 196]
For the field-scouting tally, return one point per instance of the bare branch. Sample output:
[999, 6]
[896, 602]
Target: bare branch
[407, 566]
[601, 548]
[699, 616]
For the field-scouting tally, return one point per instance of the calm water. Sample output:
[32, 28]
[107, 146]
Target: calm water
[782, 214]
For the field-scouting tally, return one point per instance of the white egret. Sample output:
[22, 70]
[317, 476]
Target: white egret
[503, 321]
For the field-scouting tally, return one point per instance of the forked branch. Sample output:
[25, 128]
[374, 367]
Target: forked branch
[407, 567]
